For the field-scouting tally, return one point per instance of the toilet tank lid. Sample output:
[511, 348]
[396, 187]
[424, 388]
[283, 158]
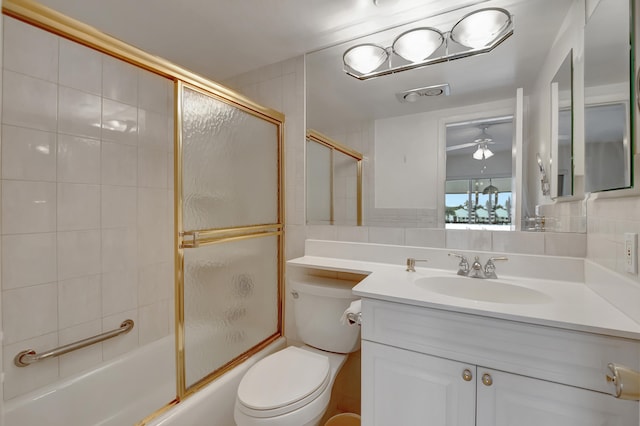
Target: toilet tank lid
[323, 286]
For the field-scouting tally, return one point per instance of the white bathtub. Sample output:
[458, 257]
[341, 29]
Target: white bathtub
[124, 391]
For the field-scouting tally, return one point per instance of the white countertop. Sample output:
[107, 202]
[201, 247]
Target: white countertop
[570, 305]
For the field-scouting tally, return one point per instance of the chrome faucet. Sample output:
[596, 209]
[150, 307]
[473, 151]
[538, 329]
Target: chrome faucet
[476, 270]
[463, 266]
[411, 263]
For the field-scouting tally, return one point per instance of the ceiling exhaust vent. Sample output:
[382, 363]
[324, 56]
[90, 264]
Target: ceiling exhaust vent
[423, 92]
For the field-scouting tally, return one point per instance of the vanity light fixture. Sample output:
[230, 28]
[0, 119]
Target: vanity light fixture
[479, 32]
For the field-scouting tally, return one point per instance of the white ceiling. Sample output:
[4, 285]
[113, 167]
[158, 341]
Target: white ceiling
[223, 38]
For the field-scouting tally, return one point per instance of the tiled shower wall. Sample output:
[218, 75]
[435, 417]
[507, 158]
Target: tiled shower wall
[87, 203]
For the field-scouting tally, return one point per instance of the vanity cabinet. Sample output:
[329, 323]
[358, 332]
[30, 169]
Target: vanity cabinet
[430, 367]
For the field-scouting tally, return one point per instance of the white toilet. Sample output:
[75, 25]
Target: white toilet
[292, 387]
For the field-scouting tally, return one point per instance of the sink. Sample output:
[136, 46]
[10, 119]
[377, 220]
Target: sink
[484, 290]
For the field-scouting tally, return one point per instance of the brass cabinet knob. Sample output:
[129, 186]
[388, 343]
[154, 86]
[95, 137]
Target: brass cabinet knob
[466, 375]
[486, 379]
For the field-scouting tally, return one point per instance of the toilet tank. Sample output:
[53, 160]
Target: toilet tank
[318, 305]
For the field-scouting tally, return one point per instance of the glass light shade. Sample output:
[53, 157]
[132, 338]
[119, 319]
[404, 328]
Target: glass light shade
[482, 153]
[418, 44]
[365, 58]
[478, 154]
[480, 28]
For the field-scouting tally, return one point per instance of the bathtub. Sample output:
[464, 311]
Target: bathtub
[99, 398]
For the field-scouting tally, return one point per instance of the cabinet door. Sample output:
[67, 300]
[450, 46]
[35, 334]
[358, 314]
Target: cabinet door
[510, 400]
[401, 387]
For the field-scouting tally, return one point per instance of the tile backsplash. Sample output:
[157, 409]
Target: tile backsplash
[557, 244]
[87, 203]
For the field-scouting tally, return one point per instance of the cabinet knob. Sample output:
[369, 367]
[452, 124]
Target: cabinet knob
[466, 375]
[486, 379]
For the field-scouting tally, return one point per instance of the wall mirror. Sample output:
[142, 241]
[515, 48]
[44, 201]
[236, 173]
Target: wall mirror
[479, 174]
[333, 182]
[395, 120]
[562, 129]
[399, 121]
[608, 65]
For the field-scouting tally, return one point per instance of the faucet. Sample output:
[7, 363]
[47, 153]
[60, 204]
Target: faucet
[463, 266]
[476, 270]
[411, 263]
[490, 267]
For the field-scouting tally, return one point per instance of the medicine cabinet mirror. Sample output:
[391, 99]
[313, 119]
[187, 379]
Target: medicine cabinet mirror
[608, 96]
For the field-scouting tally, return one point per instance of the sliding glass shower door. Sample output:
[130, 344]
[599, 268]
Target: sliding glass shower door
[230, 243]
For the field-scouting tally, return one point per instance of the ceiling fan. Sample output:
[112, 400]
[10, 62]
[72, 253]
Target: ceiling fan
[481, 142]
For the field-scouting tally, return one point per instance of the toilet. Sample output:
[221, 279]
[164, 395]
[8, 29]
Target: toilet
[292, 387]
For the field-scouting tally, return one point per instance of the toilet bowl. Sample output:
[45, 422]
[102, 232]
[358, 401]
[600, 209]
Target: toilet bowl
[292, 387]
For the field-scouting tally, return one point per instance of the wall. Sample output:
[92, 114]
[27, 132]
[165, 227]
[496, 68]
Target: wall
[87, 203]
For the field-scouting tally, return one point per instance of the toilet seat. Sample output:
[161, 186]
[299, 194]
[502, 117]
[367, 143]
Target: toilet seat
[283, 382]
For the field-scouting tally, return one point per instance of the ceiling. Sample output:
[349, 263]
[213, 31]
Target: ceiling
[223, 38]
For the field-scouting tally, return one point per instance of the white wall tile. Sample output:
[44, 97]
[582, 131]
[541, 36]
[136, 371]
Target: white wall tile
[358, 234]
[78, 159]
[119, 81]
[28, 154]
[565, 244]
[123, 343]
[85, 358]
[22, 304]
[29, 102]
[78, 206]
[152, 216]
[28, 259]
[79, 113]
[119, 164]
[154, 321]
[119, 292]
[322, 232]
[383, 235]
[20, 380]
[28, 207]
[119, 249]
[119, 122]
[153, 93]
[152, 168]
[465, 239]
[119, 207]
[425, 237]
[153, 130]
[79, 300]
[80, 67]
[29, 50]
[518, 242]
[155, 283]
[78, 254]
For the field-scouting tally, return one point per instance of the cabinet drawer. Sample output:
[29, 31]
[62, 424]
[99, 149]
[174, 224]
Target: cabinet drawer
[563, 356]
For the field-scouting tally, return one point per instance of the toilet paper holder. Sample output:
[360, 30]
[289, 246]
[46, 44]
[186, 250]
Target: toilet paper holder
[626, 382]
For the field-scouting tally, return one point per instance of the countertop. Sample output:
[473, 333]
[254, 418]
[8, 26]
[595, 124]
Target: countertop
[569, 305]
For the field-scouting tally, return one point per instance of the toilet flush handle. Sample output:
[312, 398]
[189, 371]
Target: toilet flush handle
[294, 294]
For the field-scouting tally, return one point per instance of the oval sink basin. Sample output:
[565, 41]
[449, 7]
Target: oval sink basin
[482, 290]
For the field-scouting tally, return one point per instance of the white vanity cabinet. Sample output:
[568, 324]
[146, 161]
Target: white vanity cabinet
[430, 367]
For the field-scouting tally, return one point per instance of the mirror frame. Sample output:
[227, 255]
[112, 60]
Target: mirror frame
[556, 107]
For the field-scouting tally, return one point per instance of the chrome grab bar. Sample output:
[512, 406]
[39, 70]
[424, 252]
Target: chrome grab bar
[24, 358]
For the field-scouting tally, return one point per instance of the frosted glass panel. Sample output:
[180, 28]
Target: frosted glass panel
[230, 172]
[318, 184]
[345, 171]
[230, 301]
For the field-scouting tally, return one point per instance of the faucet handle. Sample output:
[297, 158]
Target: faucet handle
[490, 267]
[463, 265]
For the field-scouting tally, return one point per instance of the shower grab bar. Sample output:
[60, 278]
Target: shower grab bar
[25, 358]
